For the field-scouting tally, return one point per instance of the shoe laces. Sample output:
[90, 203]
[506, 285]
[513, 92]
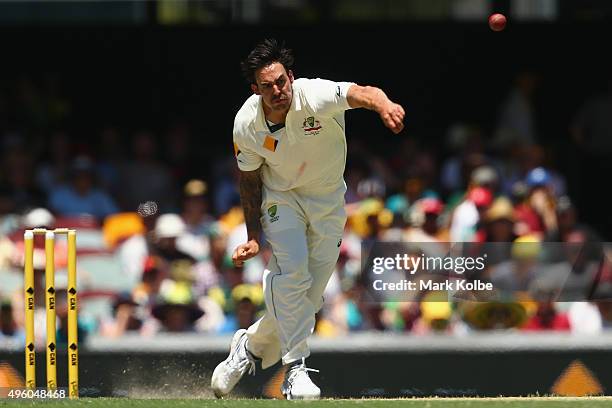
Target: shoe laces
[299, 368]
[240, 364]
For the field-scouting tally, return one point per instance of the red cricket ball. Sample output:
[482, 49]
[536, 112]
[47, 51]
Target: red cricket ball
[497, 22]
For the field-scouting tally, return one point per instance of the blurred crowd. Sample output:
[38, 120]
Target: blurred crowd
[172, 229]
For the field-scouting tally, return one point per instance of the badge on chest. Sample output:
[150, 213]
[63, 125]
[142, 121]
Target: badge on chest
[311, 126]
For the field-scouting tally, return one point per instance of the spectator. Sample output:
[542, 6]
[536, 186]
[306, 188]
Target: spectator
[199, 225]
[547, 317]
[603, 300]
[567, 222]
[81, 197]
[147, 291]
[247, 300]
[145, 178]
[498, 227]
[537, 213]
[195, 208]
[126, 235]
[595, 316]
[468, 214]
[499, 221]
[176, 311]
[583, 261]
[486, 177]
[575, 277]
[424, 218]
[125, 318]
[517, 273]
[168, 228]
[363, 312]
[372, 188]
[436, 315]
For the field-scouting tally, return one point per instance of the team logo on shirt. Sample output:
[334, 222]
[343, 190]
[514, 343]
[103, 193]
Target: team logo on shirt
[311, 126]
[272, 213]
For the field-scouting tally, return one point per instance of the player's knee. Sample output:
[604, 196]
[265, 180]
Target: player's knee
[296, 282]
[295, 265]
[286, 291]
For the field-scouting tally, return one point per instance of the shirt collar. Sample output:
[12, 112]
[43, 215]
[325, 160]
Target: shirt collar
[260, 120]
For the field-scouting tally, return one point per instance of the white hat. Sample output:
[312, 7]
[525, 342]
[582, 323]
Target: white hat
[483, 175]
[169, 226]
[38, 217]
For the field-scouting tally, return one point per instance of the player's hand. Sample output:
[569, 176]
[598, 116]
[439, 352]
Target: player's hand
[392, 115]
[244, 252]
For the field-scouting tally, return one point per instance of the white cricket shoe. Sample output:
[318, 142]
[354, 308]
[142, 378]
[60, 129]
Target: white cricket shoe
[298, 385]
[230, 371]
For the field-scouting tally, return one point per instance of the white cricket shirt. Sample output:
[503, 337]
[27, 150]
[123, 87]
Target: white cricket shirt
[310, 151]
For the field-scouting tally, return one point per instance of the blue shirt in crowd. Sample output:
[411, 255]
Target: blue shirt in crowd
[66, 201]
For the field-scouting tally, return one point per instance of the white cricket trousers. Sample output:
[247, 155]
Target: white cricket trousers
[304, 229]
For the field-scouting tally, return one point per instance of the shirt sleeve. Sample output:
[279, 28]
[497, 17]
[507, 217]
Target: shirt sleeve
[328, 98]
[247, 159]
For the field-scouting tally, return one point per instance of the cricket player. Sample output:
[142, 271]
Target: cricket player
[289, 141]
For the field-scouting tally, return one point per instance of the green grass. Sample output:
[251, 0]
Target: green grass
[538, 402]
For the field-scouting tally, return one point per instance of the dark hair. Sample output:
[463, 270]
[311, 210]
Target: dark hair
[265, 53]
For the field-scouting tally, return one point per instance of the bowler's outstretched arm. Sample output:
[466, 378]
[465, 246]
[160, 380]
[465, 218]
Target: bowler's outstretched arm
[372, 98]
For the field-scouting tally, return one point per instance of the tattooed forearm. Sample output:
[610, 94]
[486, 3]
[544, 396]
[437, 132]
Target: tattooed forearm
[250, 196]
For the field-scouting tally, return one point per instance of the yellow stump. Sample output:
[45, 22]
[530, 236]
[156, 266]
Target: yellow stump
[73, 354]
[73, 357]
[28, 286]
[51, 315]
